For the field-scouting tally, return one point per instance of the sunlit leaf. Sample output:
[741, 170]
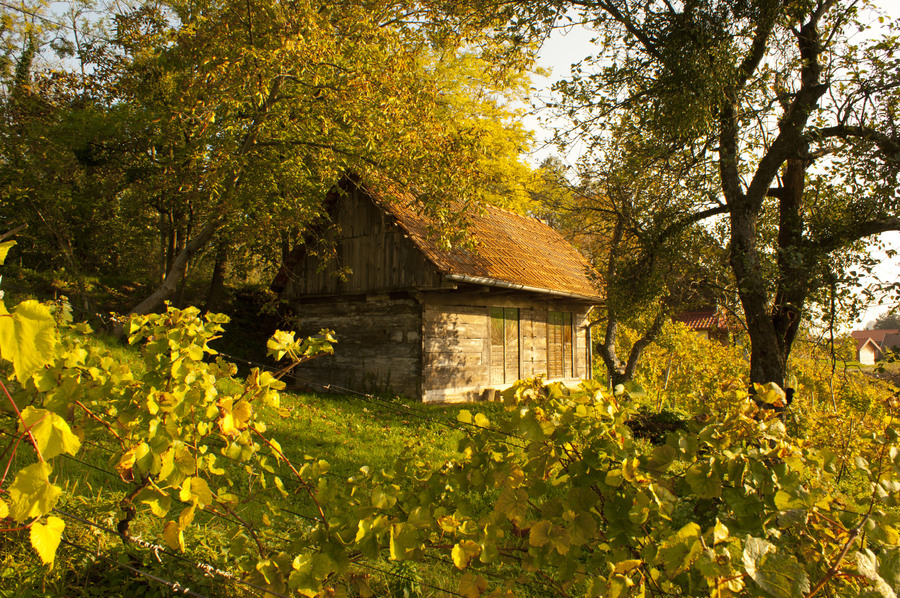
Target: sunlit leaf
[45, 538]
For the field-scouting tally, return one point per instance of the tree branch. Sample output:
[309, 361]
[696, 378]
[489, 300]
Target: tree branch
[890, 146]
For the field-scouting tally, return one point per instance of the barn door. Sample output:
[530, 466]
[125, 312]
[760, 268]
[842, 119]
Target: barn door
[504, 345]
[560, 356]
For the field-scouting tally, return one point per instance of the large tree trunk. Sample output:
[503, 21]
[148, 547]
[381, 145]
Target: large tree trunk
[217, 284]
[176, 272]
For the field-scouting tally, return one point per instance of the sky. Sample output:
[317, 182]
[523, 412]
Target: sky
[568, 46]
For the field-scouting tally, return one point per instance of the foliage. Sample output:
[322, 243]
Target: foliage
[173, 127]
[163, 421]
[888, 321]
[690, 372]
[578, 506]
[553, 495]
[641, 230]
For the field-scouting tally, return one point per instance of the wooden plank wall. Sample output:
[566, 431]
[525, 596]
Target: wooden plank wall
[371, 254]
[457, 348]
[456, 352]
[379, 344]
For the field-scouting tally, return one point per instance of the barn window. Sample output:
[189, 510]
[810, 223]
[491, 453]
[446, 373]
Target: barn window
[560, 355]
[504, 345]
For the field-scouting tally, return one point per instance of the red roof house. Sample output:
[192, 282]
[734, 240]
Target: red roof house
[871, 344]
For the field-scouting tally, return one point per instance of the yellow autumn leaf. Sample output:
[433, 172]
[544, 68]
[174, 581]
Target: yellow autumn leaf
[4, 249]
[463, 552]
[241, 414]
[31, 493]
[28, 337]
[45, 538]
[127, 461]
[173, 536]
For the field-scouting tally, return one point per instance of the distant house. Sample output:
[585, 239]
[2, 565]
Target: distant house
[709, 323]
[417, 319]
[871, 344]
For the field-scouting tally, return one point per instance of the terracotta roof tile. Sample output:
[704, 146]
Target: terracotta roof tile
[703, 320]
[510, 250]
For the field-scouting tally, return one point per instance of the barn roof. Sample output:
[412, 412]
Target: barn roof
[510, 250]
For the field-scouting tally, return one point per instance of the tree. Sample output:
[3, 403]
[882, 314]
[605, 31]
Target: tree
[229, 121]
[791, 116]
[640, 229]
[887, 321]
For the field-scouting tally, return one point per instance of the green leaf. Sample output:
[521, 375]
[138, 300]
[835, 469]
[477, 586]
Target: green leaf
[703, 480]
[28, 337]
[31, 493]
[471, 585]
[404, 541]
[309, 571]
[540, 533]
[680, 550]
[512, 502]
[51, 432]
[660, 459]
[45, 538]
[782, 577]
[158, 501]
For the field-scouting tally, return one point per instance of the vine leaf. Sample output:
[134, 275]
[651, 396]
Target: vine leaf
[678, 552]
[513, 503]
[703, 480]
[51, 432]
[45, 538]
[4, 249]
[27, 337]
[31, 493]
[404, 541]
[463, 552]
[867, 564]
[782, 577]
[472, 586]
[173, 536]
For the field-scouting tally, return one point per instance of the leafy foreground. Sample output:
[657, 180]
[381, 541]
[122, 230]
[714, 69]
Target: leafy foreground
[553, 497]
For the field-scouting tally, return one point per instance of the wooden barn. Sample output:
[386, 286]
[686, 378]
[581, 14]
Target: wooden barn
[416, 319]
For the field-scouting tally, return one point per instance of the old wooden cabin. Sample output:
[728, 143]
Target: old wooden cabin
[440, 325]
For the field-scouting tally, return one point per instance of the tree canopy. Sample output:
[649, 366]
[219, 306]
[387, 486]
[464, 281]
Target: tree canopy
[188, 123]
[784, 113]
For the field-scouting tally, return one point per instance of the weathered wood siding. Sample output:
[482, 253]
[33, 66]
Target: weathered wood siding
[379, 344]
[456, 358]
[371, 254]
[457, 348]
